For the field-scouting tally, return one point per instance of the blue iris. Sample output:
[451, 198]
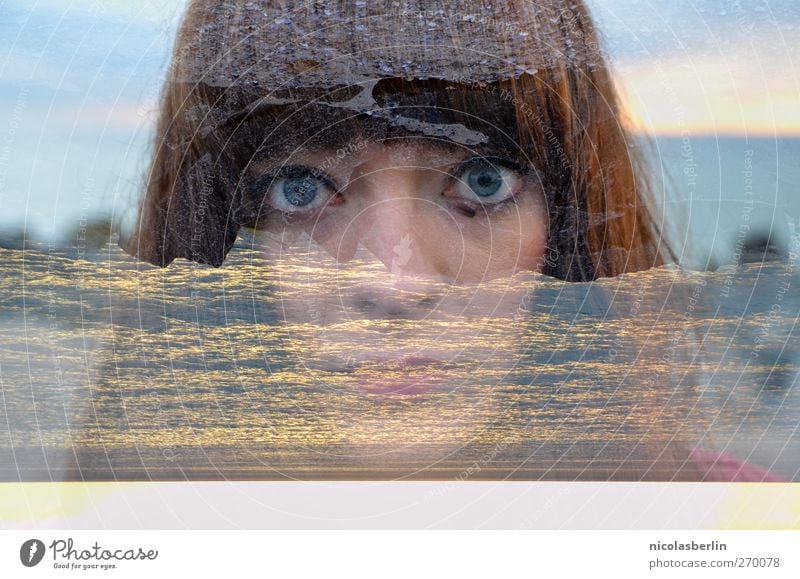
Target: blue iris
[300, 190]
[484, 180]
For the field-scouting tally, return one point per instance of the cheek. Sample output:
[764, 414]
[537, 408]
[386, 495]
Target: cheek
[337, 234]
[511, 240]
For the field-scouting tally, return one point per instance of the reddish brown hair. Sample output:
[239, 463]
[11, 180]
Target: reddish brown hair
[566, 121]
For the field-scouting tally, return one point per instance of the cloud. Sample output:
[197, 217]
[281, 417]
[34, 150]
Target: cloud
[753, 91]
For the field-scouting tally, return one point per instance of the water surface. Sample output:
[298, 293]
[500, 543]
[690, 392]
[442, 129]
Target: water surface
[112, 369]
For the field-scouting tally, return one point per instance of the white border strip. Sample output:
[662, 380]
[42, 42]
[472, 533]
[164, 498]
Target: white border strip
[399, 505]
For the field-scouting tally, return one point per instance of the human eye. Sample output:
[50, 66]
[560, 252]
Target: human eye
[485, 180]
[297, 190]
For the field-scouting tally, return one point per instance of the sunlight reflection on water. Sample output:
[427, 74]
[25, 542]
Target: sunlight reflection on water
[115, 369]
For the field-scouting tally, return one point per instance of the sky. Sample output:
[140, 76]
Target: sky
[715, 67]
[79, 81]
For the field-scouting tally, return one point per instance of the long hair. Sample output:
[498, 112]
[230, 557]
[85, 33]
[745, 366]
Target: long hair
[564, 117]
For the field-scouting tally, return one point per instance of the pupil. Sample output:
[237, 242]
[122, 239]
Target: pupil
[485, 182]
[300, 191]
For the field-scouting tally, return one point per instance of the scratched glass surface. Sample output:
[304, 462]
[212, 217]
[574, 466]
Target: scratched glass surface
[291, 361]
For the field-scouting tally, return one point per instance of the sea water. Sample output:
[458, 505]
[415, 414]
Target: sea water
[112, 369]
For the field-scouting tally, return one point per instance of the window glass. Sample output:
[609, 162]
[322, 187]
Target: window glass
[399, 240]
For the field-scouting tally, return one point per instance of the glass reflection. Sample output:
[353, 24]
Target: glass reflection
[436, 264]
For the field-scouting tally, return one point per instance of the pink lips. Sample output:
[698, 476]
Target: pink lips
[402, 376]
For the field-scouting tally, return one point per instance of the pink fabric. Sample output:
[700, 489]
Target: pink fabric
[721, 467]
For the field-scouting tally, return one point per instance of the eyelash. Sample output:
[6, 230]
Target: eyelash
[478, 159]
[469, 207]
[263, 186]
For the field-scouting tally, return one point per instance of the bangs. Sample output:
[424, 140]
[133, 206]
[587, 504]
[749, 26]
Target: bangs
[482, 118]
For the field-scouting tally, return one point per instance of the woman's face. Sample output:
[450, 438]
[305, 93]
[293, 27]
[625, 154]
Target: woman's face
[423, 209]
[401, 269]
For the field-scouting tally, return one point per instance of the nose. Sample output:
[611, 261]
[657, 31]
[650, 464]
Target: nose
[402, 235]
[402, 228]
[398, 297]
[393, 237]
